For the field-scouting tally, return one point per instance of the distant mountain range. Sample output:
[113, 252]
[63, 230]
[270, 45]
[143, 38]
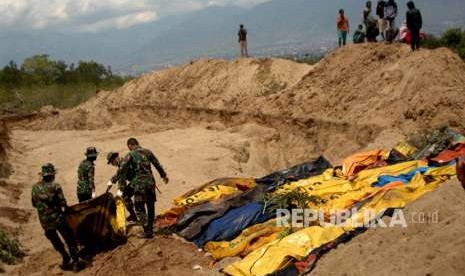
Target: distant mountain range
[275, 27]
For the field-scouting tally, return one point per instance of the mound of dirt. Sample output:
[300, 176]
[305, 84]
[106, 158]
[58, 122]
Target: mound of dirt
[5, 168]
[350, 98]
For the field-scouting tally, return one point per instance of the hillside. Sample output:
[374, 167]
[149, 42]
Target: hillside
[360, 92]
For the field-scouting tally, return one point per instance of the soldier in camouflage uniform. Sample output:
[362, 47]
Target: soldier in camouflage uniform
[127, 192]
[143, 182]
[48, 199]
[86, 172]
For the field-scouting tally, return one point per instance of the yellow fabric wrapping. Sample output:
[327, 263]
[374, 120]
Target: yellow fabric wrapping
[216, 189]
[352, 164]
[329, 185]
[399, 197]
[276, 255]
[252, 237]
[405, 148]
[119, 221]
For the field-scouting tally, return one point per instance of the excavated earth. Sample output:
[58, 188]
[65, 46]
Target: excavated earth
[215, 118]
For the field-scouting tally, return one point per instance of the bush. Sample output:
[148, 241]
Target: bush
[10, 250]
[453, 39]
[432, 42]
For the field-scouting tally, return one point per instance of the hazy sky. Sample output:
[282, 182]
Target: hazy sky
[96, 15]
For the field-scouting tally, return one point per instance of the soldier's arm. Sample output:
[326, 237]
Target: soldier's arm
[91, 175]
[33, 197]
[157, 164]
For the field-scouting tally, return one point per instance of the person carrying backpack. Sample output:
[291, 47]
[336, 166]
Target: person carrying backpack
[414, 24]
[372, 29]
[242, 34]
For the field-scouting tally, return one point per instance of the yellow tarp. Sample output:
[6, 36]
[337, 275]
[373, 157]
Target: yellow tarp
[276, 255]
[328, 184]
[250, 239]
[399, 197]
[216, 189]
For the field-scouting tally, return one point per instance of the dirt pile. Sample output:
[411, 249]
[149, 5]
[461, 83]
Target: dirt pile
[349, 98]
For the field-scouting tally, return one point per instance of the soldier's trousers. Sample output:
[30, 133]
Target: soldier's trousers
[128, 193]
[67, 235]
[84, 197]
[145, 199]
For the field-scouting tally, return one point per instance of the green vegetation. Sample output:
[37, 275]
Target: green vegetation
[40, 81]
[10, 250]
[453, 39]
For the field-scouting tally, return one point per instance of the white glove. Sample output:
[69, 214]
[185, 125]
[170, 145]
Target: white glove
[93, 194]
[109, 184]
[119, 193]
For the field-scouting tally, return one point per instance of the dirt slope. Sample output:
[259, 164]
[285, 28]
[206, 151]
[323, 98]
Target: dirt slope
[215, 118]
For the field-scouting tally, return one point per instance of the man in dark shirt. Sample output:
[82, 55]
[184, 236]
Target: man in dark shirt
[242, 34]
[381, 21]
[414, 24]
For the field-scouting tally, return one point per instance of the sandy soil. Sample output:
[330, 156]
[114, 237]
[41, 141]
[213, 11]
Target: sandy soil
[215, 118]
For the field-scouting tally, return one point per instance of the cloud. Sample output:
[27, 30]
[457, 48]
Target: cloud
[120, 22]
[96, 15]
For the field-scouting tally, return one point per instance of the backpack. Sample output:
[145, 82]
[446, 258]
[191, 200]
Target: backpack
[391, 34]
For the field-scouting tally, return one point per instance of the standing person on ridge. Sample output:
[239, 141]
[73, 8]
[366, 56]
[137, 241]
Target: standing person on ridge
[366, 13]
[86, 173]
[124, 189]
[143, 182]
[47, 197]
[381, 21]
[342, 28]
[242, 34]
[414, 24]
[390, 13]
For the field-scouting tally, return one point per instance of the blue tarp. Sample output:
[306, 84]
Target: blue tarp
[405, 178]
[232, 223]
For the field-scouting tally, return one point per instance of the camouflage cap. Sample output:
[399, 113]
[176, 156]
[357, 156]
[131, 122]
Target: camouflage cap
[111, 156]
[48, 169]
[91, 152]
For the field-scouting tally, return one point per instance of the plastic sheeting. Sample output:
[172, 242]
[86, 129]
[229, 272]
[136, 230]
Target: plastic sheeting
[449, 155]
[357, 162]
[100, 221]
[404, 178]
[278, 254]
[250, 239]
[196, 219]
[301, 171]
[232, 223]
[213, 190]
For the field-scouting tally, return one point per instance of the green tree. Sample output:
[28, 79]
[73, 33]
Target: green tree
[41, 70]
